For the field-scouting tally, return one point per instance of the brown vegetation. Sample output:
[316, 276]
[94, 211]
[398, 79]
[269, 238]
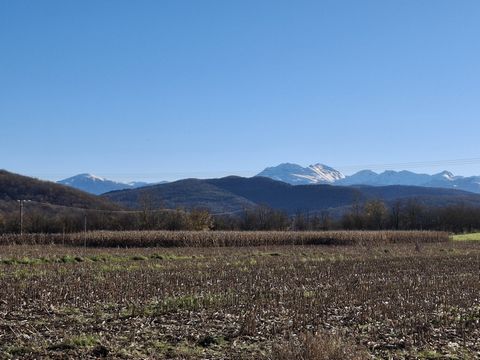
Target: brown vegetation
[322, 346]
[225, 238]
[394, 301]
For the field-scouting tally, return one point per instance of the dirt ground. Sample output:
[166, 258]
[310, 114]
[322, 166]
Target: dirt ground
[391, 302]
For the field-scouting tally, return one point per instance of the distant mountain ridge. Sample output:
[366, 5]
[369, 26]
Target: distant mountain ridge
[316, 174]
[297, 175]
[234, 194]
[228, 195]
[97, 185]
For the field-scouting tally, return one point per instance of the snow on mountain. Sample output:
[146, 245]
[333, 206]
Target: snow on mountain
[321, 174]
[97, 185]
[363, 177]
[290, 173]
[326, 174]
[368, 177]
[93, 177]
[446, 175]
[297, 175]
[137, 184]
[444, 179]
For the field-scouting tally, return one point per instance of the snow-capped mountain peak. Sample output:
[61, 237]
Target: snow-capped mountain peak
[90, 176]
[446, 175]
[297, 175]
[82, 177]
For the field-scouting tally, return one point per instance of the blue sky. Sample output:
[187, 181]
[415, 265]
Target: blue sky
[154, 90]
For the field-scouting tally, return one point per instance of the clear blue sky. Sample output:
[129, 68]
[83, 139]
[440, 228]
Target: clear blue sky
[154, 90]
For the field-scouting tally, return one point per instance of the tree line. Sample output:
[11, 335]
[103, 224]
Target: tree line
[371, 215]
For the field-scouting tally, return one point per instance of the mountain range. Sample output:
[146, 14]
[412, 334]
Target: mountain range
[233, 194]
[321, 174]
[295, 174]
[228, 195]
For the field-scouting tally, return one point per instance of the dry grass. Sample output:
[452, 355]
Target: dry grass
[322, 346]
[241, 303]
[225, 238]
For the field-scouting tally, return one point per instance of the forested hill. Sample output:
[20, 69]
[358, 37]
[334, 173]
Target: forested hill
[15, 187]
[235, 193]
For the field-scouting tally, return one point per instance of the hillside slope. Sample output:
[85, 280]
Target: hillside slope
[233, 194]
[290, 198]
[186, 194]
[15, 187]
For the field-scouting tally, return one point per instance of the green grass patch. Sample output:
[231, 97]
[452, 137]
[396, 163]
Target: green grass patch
[467, 237]
[429, 355]
[157, 256]
[80, 341]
